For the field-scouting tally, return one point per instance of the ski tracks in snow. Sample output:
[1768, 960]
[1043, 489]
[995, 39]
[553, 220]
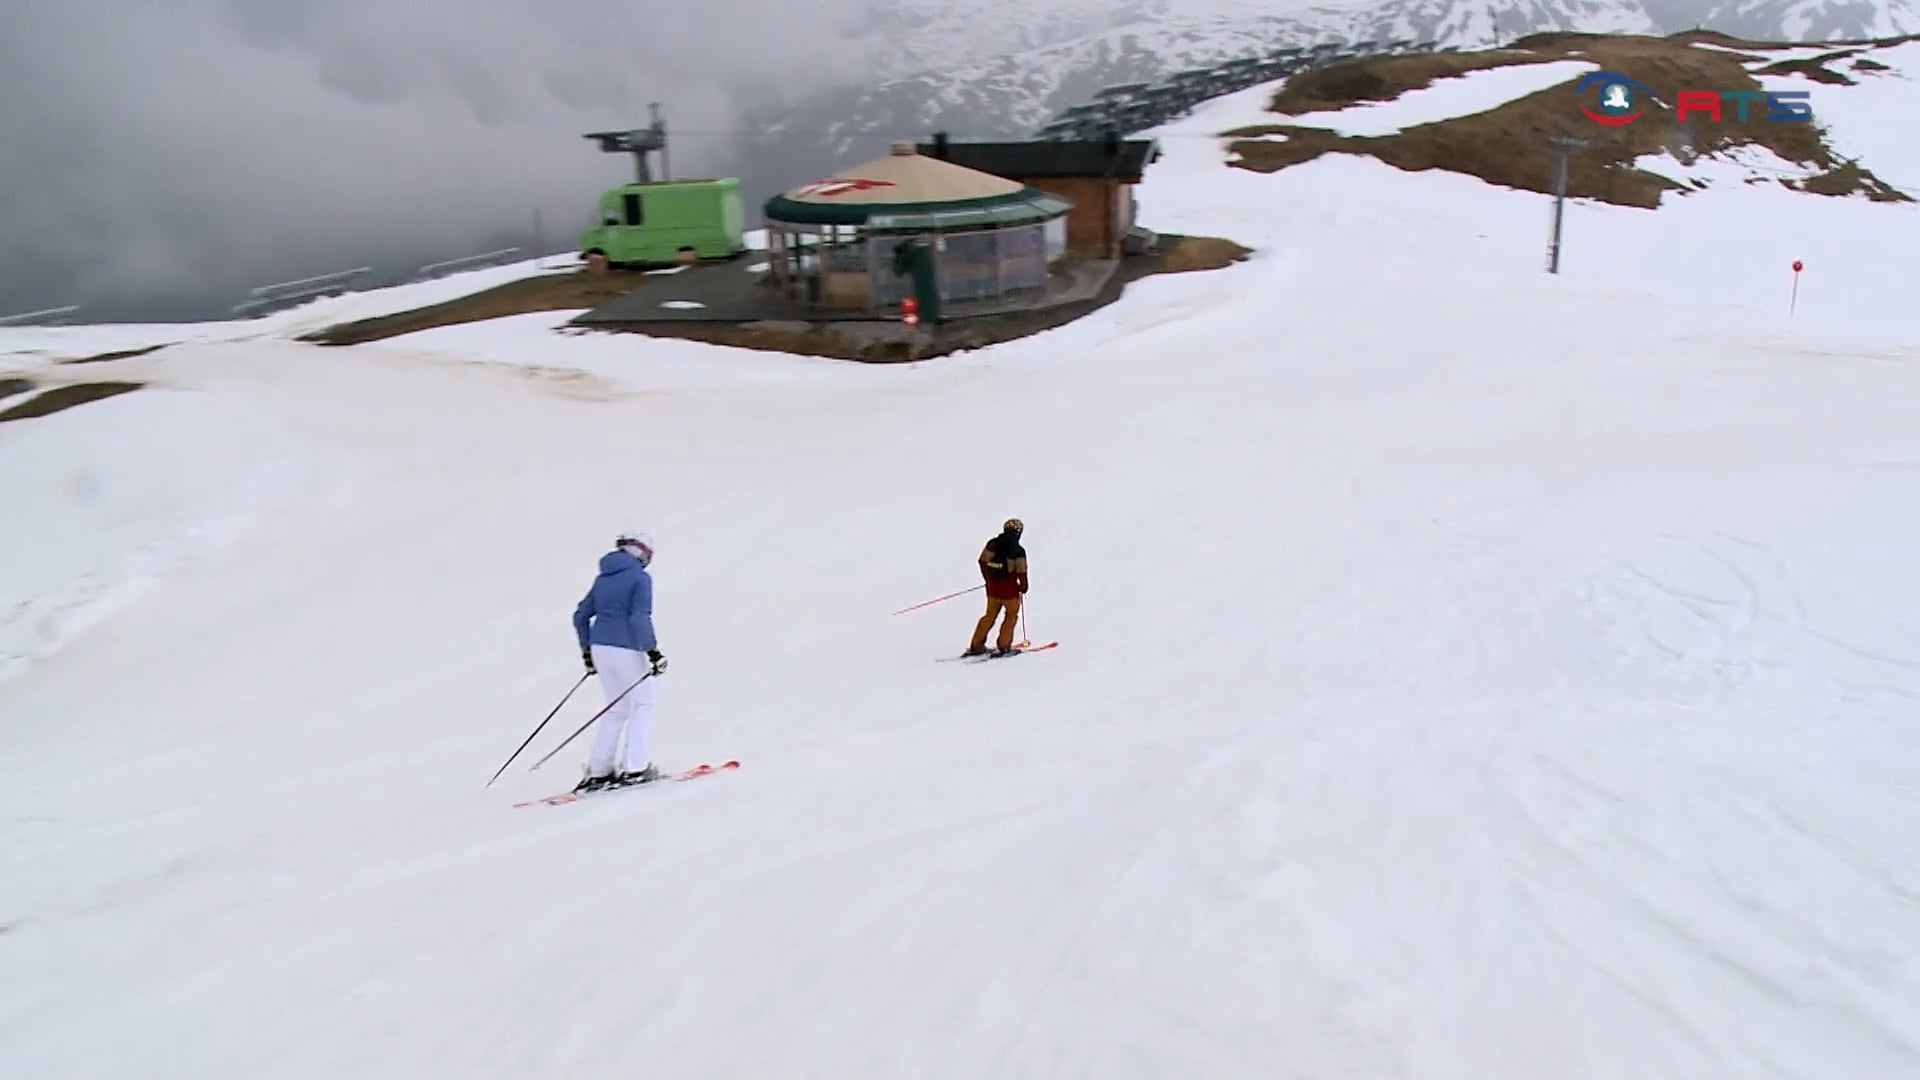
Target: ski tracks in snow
[1133, 925]
[1702, 833]
[1632, 863]
[998, 904]
[1727, 612]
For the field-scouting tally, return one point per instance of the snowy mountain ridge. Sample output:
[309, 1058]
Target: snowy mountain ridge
[982, 71]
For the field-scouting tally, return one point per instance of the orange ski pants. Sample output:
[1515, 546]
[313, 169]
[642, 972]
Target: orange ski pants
[997, 606]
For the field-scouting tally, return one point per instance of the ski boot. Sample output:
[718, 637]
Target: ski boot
[644, 776]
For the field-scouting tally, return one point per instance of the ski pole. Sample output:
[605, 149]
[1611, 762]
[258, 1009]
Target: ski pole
[590, 720]
[536, 731]
[937, 599]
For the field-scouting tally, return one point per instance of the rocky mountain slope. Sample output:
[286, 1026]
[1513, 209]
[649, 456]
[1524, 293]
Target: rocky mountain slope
[993, 70]
[1648, 163]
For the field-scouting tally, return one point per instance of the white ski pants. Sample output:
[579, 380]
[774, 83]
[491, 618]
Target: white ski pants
[632, 717]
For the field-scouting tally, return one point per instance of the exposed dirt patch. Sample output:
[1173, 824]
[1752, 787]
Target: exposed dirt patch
[878, 342]
[61, 398]
[1868, 63]
[123, 354]
[1383, 78]
[1814, 68]
[1185, 254]
[1715, 37]
[13, 387]
[1511, 145]
[1848, 179]
[550, 292]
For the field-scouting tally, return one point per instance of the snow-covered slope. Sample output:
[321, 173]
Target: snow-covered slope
[1464, 673]
[50, 344]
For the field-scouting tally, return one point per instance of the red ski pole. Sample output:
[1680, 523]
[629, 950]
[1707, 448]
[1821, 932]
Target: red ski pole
[937, 599]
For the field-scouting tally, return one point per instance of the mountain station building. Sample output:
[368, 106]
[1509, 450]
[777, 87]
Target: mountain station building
[1096, 175]
[908, 224]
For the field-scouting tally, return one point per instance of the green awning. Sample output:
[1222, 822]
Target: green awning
[1026, 212]
[1027, 205]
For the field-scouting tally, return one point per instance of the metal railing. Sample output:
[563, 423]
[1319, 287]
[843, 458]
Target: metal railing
[467, 262]
[1129, 107]
[284, 293]
[52, 316]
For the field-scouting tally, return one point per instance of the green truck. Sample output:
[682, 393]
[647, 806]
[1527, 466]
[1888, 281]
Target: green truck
[651, 224]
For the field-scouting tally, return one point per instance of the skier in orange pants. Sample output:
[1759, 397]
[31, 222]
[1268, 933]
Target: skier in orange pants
[1003, 564]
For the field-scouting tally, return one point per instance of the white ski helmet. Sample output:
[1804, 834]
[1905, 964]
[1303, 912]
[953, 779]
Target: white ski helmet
[635, 542]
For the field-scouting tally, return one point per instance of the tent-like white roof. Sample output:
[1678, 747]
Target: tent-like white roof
[903, 176]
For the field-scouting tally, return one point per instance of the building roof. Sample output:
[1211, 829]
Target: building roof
[906, 184]
[1119, 159]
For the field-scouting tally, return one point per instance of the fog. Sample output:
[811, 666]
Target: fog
[160, 157]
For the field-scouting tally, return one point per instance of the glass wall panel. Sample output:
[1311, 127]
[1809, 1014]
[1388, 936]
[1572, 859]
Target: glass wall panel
[847, 267]
[1023, 258]
[969, 266]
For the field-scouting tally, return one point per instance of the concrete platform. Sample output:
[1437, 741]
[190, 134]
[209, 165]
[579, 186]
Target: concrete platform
[730, 293]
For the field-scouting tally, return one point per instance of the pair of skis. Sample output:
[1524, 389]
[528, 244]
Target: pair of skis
[700, 770]
[705, 769]
[1018, 649]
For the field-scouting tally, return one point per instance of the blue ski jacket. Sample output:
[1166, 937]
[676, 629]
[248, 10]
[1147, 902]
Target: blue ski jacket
[618, 607]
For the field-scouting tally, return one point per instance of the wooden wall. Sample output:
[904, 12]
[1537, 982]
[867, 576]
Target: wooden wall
[1090, 222]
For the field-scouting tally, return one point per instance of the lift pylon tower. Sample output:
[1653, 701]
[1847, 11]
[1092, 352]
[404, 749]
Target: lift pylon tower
[639, 142]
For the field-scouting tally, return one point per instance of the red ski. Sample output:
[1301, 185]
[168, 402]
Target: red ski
[702, 769]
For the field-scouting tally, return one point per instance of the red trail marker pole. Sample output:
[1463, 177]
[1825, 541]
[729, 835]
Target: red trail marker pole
[1794, 299]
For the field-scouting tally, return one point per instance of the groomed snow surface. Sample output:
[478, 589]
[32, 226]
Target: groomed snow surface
[1465, 673]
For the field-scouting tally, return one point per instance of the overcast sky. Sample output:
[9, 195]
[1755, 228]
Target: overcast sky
[178, 150]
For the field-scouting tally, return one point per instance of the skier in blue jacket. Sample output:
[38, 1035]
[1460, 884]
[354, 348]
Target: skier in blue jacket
[614, 622]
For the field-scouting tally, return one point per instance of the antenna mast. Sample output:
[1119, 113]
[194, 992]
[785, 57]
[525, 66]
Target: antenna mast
[639, 142]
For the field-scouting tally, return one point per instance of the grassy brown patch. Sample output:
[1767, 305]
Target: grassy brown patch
[1510, 145]
[106, 357]
[13, 387]
[1875, 43]
[61, 398]
[1382, 78]
[1868, 63]
[1814, 68]
[548, 292]
[1186, 254]
[1849, 178]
